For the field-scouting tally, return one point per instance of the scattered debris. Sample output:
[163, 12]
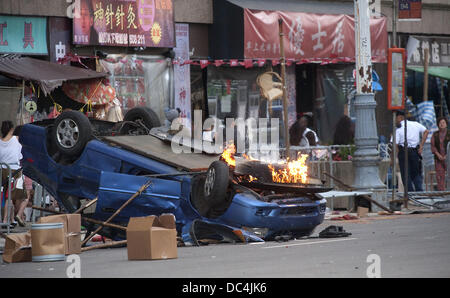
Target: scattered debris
[283, 238]
[334, 232]
[362, 212]
[345, 217]
[106, 245]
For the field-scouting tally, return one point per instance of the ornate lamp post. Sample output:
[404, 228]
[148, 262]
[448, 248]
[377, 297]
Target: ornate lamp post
[366, 159]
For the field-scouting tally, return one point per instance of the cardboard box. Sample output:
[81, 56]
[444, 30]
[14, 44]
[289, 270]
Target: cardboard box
[362, 211]
[17, 248]
[48, 242]
[152, 238]
[72, 230]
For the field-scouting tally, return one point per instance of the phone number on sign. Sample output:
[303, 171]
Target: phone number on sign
[137, 39]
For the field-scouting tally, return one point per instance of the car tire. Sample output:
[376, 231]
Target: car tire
[71, 132]
[216, 183]
[198, 196]
[148, 117]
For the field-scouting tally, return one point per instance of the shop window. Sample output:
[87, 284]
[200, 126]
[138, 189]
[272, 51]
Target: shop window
[333, 98]
[140, 81]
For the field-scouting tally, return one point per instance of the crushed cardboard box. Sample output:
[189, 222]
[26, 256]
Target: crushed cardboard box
[362, 212]
[72, 230]
[17, 248]
[152, 238]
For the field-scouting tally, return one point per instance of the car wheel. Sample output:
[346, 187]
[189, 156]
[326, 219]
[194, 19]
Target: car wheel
[216, 183]
[198, 196]
[71, 132]
[144, 119]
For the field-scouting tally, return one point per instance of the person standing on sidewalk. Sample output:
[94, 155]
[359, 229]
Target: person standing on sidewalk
[10, 154]
[439, 141]
[416, 137]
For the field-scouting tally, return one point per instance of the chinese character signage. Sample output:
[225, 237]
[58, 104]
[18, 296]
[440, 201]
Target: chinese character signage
[410, 10]
[59, 30]
[396, 79]
[134, 23]
[439, 49]
[308, 36]
[23, 35]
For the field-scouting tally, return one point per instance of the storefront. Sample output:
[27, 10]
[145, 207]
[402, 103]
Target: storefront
[19, 35]
[438, 71]
[132, 41]
[319, 49]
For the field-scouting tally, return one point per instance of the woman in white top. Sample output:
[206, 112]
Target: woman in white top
[10, 154]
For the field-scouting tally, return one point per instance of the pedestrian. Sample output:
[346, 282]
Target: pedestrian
[416, 137]
[28, 186]
[344, 133]
[439, 141]
[10, 154]
[298, 133]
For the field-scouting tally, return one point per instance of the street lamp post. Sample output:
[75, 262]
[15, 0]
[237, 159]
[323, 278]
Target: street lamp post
[367, 158]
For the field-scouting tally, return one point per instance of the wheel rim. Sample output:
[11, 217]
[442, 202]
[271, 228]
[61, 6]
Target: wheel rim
[209, 183]
[67, 133]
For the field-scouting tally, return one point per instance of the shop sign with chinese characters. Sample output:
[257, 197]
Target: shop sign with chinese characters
[23, 35]
[308, 35]
[134, 23]
[439, 51]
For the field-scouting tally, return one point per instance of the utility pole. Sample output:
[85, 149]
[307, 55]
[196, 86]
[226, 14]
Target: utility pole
[394, 23]
[285, 101]
[394, 114]
[367, 158]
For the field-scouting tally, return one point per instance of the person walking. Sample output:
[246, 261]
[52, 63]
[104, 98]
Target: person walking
[416, 137]
[439, 141]
[300, 134]
[10, 154]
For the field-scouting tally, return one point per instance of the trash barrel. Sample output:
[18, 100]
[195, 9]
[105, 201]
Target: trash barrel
[47, 242]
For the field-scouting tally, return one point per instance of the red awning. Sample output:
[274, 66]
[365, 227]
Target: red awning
[309, 37]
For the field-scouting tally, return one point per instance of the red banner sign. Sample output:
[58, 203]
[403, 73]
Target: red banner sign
[313, 37]
[135, 23]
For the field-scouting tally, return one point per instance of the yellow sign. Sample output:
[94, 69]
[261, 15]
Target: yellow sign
[156, 33]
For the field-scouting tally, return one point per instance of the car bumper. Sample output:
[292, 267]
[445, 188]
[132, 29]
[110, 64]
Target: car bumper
[247, 212]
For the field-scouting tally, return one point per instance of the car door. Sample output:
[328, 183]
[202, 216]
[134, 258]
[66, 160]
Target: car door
[162, 196]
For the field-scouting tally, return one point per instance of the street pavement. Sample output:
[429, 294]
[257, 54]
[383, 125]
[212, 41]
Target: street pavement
[407, 246]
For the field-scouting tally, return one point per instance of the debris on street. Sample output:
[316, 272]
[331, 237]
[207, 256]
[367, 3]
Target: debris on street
[334, 232]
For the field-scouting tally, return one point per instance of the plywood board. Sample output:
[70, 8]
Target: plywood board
[158, 150]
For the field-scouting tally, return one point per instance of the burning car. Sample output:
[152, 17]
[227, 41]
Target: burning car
[79, 160]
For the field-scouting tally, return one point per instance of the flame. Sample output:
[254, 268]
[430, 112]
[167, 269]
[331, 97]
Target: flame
[248, 157]
[251, 178]
[228, 155]
[295, 171]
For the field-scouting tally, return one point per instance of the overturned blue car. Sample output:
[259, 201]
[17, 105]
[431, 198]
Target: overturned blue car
[77, 160]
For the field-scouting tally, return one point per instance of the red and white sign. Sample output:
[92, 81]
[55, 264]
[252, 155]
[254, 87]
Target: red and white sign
[313, 37]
